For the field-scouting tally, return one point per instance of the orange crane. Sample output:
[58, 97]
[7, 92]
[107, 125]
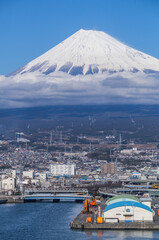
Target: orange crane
[93, 203]
[87, 205]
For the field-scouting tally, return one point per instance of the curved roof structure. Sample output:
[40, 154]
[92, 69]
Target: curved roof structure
[124, 197]
[126, 204]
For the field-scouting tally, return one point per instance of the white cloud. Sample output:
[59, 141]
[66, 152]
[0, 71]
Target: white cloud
[39, 90]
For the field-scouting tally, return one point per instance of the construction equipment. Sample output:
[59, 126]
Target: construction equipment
[93, 203]
[88, 220]
[99, 220]
[86, 206]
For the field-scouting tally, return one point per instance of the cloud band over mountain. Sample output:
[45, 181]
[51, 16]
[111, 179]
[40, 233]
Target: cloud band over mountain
[114, 89]
[90, 67]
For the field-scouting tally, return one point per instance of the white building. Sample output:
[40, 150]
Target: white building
[8, 183]
[62, 169]
[147, 201]
[126, 208]
[35, 181]
[20, 137]
[42, 176]
[13, 173]
[136, 175]
[28, 174]
[126, 151]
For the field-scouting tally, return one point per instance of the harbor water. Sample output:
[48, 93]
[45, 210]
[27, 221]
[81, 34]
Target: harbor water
[50, 221]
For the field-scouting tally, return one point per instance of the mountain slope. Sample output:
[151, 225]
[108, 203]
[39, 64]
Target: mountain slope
[91, 52]
[90, 67]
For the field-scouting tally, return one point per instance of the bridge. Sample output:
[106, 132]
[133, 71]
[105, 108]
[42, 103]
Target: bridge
[106, 194]
[55, 197]
[56, 190]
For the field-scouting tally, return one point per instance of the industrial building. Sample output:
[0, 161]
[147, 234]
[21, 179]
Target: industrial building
[126, 208]
[8, 183]
[28, 174]
[108, 168]
[62, 169]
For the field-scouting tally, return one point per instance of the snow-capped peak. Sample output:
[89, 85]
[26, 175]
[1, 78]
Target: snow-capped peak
[90, 52]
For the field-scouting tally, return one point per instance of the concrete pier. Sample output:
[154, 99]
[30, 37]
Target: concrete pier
[114, 226]
[80, 223]
[11, 199]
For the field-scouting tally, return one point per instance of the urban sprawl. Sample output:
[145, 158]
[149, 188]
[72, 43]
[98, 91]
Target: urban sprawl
[60, 158]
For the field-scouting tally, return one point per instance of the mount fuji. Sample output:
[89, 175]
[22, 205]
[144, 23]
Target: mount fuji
[89, 67]
[90, 52]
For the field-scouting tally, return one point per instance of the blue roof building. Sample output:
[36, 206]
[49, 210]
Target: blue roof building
[121, 209]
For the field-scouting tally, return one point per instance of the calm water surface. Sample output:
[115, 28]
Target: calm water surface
[50, 221]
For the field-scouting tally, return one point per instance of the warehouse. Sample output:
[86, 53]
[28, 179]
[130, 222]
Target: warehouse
[126, 208]
[124, 197]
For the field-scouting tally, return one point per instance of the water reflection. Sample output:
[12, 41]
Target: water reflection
[48, 221]
[122, 235]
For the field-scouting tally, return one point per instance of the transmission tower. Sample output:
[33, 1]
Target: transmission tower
[51, 138]
[90, 147]
[120, 140]
[60, 136]
[21, 178]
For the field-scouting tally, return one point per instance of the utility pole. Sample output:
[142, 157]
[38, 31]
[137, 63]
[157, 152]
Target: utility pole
[90, 147]
[120, 140]
[21, 178]
[110, 155]
[47, 147]
[116, 165]
[62, 182]
[71, 149]
[60, 136]
[65, 147]
[60, 155]
[51, 138]
[152, 155]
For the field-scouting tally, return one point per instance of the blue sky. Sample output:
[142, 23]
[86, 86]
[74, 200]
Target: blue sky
[28, 28]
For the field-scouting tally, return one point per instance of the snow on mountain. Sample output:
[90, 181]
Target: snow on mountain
[90, 52]
[90, 67]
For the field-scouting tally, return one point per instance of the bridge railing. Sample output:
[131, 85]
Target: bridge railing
[56, 190]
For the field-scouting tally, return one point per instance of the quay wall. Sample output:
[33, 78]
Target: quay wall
[114, 226]
[12, 199]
